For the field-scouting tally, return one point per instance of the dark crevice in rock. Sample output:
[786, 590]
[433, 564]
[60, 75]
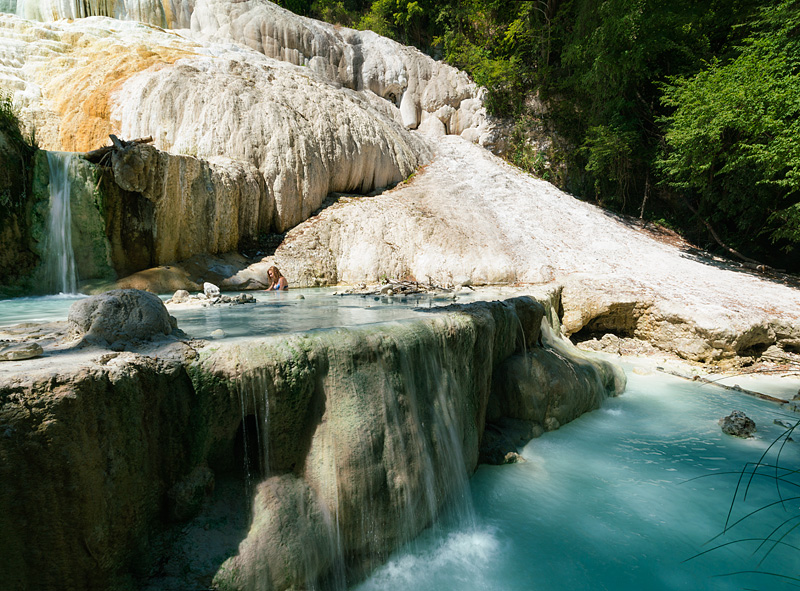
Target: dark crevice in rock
[756, 350]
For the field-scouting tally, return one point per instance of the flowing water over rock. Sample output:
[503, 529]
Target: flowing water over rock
[627, 497]
[60, 262]
[347, 444]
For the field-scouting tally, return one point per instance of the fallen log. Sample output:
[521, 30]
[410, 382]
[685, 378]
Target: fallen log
[97, 156]
[735, 388]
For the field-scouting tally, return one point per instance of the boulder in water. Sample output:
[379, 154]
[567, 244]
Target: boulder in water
[738, 424]
[120, 315]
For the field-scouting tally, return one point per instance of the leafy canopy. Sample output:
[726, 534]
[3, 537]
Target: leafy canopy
[733, 139]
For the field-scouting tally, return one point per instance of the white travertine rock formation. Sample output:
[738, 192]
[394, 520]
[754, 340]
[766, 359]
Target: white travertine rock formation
[147, 11]
[416, 86]
[499, 225]
[77, 82]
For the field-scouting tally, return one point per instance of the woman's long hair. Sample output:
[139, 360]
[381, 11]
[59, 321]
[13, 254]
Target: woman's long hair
[274, 275]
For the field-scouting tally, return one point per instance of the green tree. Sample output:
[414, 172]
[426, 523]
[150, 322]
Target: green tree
[604, 86]
[407, 21]
[501, 44]
[733, 139]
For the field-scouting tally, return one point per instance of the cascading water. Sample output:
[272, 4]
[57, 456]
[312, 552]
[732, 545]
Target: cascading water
[60, 269]
[632, 496]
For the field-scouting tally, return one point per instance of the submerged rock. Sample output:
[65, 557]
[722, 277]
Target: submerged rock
[738, 424]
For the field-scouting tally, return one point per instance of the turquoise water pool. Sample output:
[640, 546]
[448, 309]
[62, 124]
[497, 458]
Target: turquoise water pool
[295, 310]
[621, 499]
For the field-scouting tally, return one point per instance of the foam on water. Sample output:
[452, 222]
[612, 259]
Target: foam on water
[449, 560]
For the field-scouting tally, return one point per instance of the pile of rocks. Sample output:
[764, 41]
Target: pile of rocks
[388, 288]
[210, 296]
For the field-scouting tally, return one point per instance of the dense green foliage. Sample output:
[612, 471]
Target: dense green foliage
[684, 110]
[16, 152]
[733, 136]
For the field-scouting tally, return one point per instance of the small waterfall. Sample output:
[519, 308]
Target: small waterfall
[60, 257]
[61, 274]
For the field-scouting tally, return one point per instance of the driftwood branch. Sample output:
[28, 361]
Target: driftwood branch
[702, 380]
[97, 156]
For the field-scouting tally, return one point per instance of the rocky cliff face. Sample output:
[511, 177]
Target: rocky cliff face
[223, 204]
[24, 232]
[16, 257]
[354, 439]
[77, 82]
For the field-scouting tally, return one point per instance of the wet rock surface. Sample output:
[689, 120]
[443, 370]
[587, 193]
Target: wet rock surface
[738, 424]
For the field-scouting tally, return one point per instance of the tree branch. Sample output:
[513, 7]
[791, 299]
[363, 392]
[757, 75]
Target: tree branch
[719, 241]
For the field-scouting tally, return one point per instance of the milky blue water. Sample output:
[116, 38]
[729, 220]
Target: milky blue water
[36, 309]
[621, 499]
[273, 313]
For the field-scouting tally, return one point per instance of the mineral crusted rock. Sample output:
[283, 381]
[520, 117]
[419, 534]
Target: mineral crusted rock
[411, 86]
[306, 549]
[302, 135]
[179, 297]
[210, 290]
[120, 315]
[497, 225]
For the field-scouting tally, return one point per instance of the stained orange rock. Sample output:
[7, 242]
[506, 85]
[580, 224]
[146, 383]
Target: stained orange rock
[96, 71]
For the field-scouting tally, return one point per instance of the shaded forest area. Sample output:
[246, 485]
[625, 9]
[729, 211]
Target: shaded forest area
[683, 113]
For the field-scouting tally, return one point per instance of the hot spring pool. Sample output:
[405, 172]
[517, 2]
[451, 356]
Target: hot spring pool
[620, 499]
[296, 310]
[628, 497]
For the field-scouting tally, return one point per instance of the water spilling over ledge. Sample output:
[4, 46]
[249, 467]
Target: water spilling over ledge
[60, 263]
[355, 441]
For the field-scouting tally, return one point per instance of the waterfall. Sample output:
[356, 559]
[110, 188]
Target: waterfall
[61, 275]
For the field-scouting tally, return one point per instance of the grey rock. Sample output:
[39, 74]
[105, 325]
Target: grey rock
[738, 424]
[187, 496]
[118, 316]
[17, 352]
[180, 296]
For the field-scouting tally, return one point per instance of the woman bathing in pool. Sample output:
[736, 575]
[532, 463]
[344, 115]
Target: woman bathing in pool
[277, 282]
